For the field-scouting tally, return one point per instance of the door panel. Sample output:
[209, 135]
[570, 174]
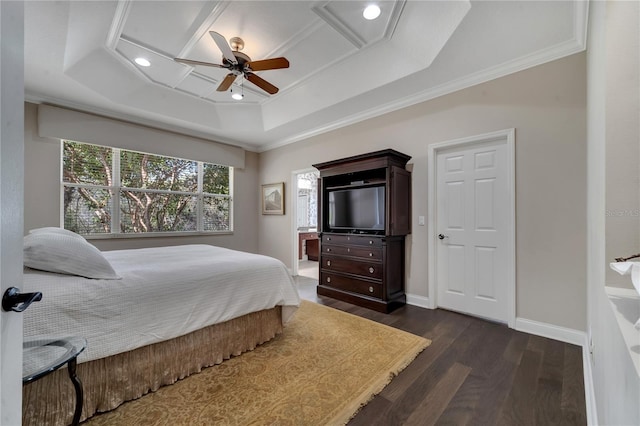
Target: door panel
[455, 203]
[472, 215]
[11, 203]
[485, 277]
[455, 275]
[484, 204]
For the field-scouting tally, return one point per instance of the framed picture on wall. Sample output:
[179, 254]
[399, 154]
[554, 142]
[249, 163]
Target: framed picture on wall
[273, 198]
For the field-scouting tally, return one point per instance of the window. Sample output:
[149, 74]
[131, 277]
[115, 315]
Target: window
[115, 191]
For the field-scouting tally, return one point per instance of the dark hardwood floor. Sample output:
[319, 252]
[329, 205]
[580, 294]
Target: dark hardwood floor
[474, 372]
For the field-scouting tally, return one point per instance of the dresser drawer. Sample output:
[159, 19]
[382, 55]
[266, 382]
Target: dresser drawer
[374, 253]
[355, 267]
[354, 285]
[357, 240]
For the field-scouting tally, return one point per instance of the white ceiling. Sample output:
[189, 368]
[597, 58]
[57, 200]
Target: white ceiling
[344, 69]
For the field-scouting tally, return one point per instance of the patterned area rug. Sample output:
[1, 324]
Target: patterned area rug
[321, 370]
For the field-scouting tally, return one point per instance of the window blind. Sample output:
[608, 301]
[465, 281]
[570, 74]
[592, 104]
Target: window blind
[62, 123]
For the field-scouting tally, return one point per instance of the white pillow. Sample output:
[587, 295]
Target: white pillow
[66, 254]
[55, 230]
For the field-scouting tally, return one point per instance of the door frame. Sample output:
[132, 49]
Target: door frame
[432, 152]
[293, 196]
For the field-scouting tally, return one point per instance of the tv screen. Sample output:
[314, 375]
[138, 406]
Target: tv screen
[357, 209]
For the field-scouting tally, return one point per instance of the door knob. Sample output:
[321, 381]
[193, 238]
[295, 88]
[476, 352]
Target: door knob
[442, 236]
[13, 300]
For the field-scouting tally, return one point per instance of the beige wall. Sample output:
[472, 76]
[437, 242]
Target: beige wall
[613, 112]
[546, 105]
[42, 197]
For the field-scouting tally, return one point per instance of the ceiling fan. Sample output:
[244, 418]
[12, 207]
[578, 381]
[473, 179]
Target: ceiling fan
[240, 64]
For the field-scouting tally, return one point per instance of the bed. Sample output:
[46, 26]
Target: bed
[154, 316]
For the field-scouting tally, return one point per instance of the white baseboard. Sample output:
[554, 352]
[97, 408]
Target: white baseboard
[420, 301]
[589, 389]
[567, 335]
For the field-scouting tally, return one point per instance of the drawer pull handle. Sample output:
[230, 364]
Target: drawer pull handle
[370, 242]
[328, 279]
[371, 270]
[370, 289]
[370, 254]
[328, 238]
[328, 263]
[348, 250]
[328, 249]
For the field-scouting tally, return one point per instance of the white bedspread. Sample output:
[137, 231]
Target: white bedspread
[164, 293]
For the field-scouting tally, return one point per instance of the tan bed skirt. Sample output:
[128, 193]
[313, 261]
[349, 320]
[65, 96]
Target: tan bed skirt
[110, 381]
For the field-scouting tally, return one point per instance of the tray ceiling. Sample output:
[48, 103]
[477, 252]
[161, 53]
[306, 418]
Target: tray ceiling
[80, 54]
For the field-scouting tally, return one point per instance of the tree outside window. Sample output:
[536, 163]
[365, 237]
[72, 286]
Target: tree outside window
[115, 191]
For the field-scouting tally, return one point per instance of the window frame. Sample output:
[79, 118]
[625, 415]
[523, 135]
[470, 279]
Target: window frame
[117, 188]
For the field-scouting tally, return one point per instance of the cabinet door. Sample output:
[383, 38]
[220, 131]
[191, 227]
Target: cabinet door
[320, 207]
[399, 220]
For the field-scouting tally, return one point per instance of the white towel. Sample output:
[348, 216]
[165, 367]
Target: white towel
[626, 268]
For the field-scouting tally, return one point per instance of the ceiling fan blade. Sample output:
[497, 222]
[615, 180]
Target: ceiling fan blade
[227, 82]
[190, 62]
[268, 64]
[261, 83]
[223, 46]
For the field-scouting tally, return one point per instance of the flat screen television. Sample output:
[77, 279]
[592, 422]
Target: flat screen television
[357, 209]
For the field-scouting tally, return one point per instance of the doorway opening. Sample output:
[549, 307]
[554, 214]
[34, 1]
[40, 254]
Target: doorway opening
[306, 251]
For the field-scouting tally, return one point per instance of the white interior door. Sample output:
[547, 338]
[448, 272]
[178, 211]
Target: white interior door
[11, 204]
[473, 228]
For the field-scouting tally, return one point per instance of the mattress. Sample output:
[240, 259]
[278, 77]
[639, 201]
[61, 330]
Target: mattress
[164, 293]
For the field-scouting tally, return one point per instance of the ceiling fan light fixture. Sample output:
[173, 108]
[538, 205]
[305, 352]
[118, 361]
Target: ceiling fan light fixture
[238, 96]
[371, 12]
[142, 62]
[240, 65]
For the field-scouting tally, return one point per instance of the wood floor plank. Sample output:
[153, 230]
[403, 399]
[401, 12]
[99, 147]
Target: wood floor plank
[549, 391]
[477, 399]
[573, 400]
[517, 344]
[488, 353]
[425, 382]
[399, 385]
[502, 380]
[518, 408]
[418, 320]
[442, 336]
[370, 413]
[536, 343]
[436, 401]
[510, 377]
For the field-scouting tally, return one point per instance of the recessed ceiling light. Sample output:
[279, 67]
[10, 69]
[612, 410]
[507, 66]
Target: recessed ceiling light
[143, 62]
[371, 12]
[237, 96]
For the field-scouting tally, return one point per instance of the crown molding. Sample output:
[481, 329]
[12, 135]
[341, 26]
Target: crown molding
[323, 11]
[558, 51]
[117, 24]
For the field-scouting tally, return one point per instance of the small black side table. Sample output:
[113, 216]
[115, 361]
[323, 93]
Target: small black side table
[44, 356]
